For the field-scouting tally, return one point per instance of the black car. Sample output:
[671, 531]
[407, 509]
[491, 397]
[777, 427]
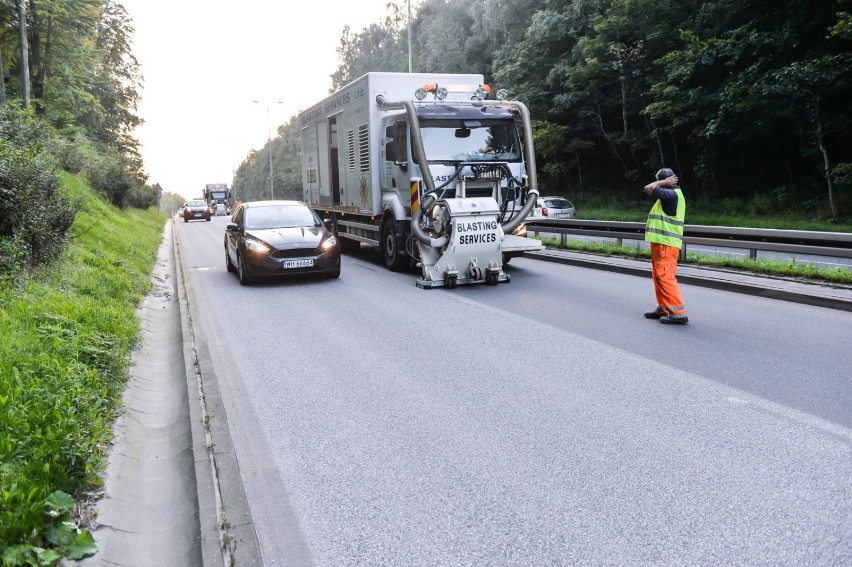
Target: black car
[279, 238]
[196, 210]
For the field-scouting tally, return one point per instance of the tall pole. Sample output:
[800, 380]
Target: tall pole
[409, 37]
[269, 137]
[269, 143]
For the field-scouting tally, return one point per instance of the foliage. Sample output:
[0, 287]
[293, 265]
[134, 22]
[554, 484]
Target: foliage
[35, 214]
[68, 331]
[251, 180]
[742, 99]
[84, 84]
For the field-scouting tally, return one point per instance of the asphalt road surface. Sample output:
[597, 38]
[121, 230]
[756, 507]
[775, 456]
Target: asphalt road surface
[539, 422]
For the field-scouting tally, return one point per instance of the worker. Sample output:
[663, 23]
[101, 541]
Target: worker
[664, 230]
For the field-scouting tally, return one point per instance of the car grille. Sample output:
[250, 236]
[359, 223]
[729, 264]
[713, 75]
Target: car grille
[295, 253]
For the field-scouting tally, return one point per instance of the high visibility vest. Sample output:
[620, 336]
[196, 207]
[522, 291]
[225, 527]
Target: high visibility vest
[664, 229]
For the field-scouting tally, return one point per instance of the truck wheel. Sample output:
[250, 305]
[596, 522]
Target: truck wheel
[391, 250]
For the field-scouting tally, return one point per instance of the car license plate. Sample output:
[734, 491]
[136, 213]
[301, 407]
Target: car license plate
[286, 264]
[561, 215]
[197, 214]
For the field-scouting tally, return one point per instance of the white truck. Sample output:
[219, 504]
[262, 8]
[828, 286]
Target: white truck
[426, 168]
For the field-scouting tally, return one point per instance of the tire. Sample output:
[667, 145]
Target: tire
[228, 265]
[333, 275]
[245, 279]
[392, 253]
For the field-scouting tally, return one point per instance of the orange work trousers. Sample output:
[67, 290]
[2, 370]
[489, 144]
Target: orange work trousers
[663, 269]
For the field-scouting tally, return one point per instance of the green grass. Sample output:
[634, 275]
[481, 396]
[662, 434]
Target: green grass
[67, 331]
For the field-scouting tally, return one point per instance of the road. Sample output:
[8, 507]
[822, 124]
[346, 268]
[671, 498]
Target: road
[539, 422]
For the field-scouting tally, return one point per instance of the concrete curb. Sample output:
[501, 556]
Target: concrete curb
[819, 295]
[227, 530]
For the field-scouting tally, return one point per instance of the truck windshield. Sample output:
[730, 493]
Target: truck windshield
[481, 140]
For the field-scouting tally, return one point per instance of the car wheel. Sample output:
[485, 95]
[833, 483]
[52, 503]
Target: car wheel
[228, 265]
[333, 275]
[391, 251]
[241, 272]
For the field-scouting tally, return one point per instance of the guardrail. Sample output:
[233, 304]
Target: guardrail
[832, 244]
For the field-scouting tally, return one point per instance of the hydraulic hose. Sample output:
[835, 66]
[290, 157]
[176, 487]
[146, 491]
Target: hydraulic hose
[417, 232]
[420, 153]
[532, 192]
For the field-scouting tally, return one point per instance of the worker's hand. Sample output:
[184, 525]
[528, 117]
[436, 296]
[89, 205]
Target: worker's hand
[668, 182]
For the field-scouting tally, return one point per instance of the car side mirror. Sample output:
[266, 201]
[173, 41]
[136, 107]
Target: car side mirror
[231, 227]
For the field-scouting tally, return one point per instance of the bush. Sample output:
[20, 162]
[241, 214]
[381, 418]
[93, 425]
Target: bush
[75, 155]
[35, 215]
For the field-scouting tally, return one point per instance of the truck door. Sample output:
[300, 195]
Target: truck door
[310, 165]
[334, 160]
[323, 162]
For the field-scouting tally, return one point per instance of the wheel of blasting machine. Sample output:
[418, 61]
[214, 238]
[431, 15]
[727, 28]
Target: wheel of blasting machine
[450, 281]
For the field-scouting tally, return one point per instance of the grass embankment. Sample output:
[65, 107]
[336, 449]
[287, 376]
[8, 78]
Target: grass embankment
[67, 333]
[702, 217]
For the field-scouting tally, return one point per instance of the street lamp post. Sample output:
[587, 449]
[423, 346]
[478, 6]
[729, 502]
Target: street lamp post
[269, 139]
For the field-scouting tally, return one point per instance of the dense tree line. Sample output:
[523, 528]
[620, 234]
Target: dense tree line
[747, 101]
[70, 82]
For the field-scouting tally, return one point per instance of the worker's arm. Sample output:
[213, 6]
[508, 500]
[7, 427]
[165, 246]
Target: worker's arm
[667, 183]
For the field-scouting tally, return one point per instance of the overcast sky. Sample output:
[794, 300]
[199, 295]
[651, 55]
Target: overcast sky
[204, 63]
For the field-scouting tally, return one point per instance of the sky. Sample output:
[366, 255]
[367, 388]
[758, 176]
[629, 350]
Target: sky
[204, 63]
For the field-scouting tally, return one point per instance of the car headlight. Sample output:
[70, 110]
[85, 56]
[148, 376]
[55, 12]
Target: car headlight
[256, 245]
[328, 243]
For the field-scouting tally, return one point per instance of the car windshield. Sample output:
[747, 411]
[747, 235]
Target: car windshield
[558, 204]
[280, 216]
[196, 204]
